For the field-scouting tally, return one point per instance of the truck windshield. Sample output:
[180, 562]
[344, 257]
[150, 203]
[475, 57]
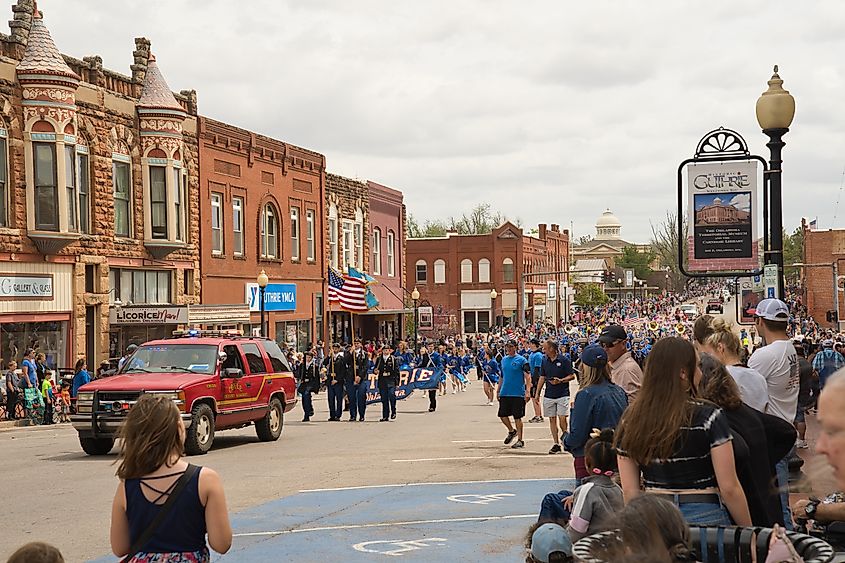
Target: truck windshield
[176, 358]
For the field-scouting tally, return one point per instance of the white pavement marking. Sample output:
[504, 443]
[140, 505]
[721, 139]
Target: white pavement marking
[423, 484]
[493, 456]
[399, 546]
[499, 440]
[384, 524]
[479, 499]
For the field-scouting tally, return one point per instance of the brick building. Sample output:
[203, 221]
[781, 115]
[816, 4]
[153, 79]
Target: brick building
[262, 209]
[386, 229]
[97, 173]
[822, 248]
[456, 273]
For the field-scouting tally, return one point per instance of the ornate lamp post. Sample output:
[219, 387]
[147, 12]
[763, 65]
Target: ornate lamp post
[493, 296]
[415, 297]
[262, 280]
[775, 110]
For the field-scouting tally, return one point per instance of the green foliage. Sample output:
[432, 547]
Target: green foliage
[793, 252]
[590, 295]
[480, 221]
[664, 244]
[639, 261]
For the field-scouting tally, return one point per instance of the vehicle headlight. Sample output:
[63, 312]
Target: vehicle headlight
[84, 402]
[177, 397]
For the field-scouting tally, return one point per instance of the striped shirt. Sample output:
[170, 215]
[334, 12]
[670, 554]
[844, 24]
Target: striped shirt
[690, 466]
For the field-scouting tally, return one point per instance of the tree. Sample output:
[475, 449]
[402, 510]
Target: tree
[590, 295]
[481, 220]
[640, 262]
[664, 244]
[793, 252]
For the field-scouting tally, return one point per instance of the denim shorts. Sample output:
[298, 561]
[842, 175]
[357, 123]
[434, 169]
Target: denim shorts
[705, 514]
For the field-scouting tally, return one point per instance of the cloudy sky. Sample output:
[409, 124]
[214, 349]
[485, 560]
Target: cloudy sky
[548, 110]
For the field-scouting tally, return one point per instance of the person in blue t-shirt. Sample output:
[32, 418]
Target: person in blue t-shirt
[28, 366]
[535, 361]
[555, 374]
[490, 377]
[514, 391]
[80, 377]
[437, 361]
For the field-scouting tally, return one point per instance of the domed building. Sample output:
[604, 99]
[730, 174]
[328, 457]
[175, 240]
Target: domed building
[601, 251]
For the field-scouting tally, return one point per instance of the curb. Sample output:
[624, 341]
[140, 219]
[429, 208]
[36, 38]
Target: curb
[10, 424]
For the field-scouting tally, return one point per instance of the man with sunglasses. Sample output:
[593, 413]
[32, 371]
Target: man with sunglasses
[624, 370]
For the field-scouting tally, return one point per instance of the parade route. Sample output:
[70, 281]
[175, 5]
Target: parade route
[470, 521]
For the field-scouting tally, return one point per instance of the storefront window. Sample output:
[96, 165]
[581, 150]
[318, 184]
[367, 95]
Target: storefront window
[50, 338]
[294, 335]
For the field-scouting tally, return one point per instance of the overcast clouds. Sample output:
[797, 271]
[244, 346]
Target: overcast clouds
[550, 111]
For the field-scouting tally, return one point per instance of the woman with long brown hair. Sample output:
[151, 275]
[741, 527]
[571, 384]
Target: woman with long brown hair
[678, 444]
[155, 479]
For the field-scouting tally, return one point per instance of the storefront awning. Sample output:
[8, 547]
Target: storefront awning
[218, 314]
[386, 312]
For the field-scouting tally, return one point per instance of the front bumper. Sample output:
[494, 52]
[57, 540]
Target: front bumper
[106, 424]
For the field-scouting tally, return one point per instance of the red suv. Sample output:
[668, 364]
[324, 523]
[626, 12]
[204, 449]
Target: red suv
[217, 382]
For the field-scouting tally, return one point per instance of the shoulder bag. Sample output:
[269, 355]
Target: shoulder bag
[145, 537]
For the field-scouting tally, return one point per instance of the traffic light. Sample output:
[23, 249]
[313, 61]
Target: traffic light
[832, 316]
[606, 276]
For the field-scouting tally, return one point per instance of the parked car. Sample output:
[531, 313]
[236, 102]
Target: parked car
[217, 382]
[715, 306]
[689, 310]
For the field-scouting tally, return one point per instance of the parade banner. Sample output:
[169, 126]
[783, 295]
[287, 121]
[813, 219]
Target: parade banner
[409, 380]
[721, 211]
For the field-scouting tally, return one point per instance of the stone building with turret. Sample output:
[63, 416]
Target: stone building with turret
[98, 172]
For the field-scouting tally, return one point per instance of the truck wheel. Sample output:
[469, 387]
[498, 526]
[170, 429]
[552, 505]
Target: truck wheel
[96, 446]
[269, 428]
[200, 433]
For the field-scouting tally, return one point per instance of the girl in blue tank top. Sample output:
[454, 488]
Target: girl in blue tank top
[150, 466]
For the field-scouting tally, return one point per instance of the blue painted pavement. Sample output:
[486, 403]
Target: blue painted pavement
[475, 521]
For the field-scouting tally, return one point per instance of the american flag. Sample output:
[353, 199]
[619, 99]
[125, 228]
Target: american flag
[349, 292]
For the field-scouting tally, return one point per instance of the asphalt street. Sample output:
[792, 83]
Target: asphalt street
[285, 494]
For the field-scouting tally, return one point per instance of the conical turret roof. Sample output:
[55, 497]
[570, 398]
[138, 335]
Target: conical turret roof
[156, 94]
[41, 55]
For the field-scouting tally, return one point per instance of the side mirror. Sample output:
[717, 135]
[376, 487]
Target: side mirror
[233, 373]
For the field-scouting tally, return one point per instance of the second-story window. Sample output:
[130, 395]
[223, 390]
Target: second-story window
[377, 252]
[391, 257]
[238, 226]
[333, 242]
[310, 232]
[294, 233]
[46, 194]
[216, 223]
[180, 183]
[158, 202]
[70, 186]
[269, 232]
[348, 245]
[83, 175]
[122, 198]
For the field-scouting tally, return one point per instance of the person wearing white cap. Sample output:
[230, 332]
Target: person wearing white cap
[777, 362]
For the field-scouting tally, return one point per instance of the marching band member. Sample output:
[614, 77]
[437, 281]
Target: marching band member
[335, 368]
[387, 370]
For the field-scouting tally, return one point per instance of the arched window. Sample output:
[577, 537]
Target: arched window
[422, 271]
[333, 235]
[507, 270]
[484, 271]
[358, 260]
[269, 232]
[439, 271]
[466, 270]
[391, 254]
[376, 251]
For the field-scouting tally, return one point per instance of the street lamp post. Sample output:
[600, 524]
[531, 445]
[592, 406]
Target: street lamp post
[619, 290]
[263, 280]
[775, 110]
[415, 297]
[493, 296]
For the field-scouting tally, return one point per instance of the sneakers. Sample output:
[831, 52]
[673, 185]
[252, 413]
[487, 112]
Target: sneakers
[536, 419]
[511, 436]
[555, 449]
[801, 444]
[489, 403]
[518, 444]
[393, 416]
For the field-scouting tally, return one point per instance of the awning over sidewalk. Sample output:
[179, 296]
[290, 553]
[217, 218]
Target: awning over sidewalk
[218, 314]
[375, 312]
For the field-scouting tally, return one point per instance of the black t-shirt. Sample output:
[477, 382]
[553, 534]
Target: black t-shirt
[690, 466]
[560, 367]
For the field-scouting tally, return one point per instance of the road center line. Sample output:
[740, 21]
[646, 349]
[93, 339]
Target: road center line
[383, 524]
[393, 485]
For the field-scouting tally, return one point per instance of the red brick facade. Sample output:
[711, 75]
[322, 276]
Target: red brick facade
[823, 248]
[246, 181]
[455, 274]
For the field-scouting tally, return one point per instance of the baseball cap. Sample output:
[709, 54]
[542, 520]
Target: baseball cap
[827, 344]
[594, 356]
[535, 341]
[612, 333]
[548, 539]
[772, 310]
[511, 342]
